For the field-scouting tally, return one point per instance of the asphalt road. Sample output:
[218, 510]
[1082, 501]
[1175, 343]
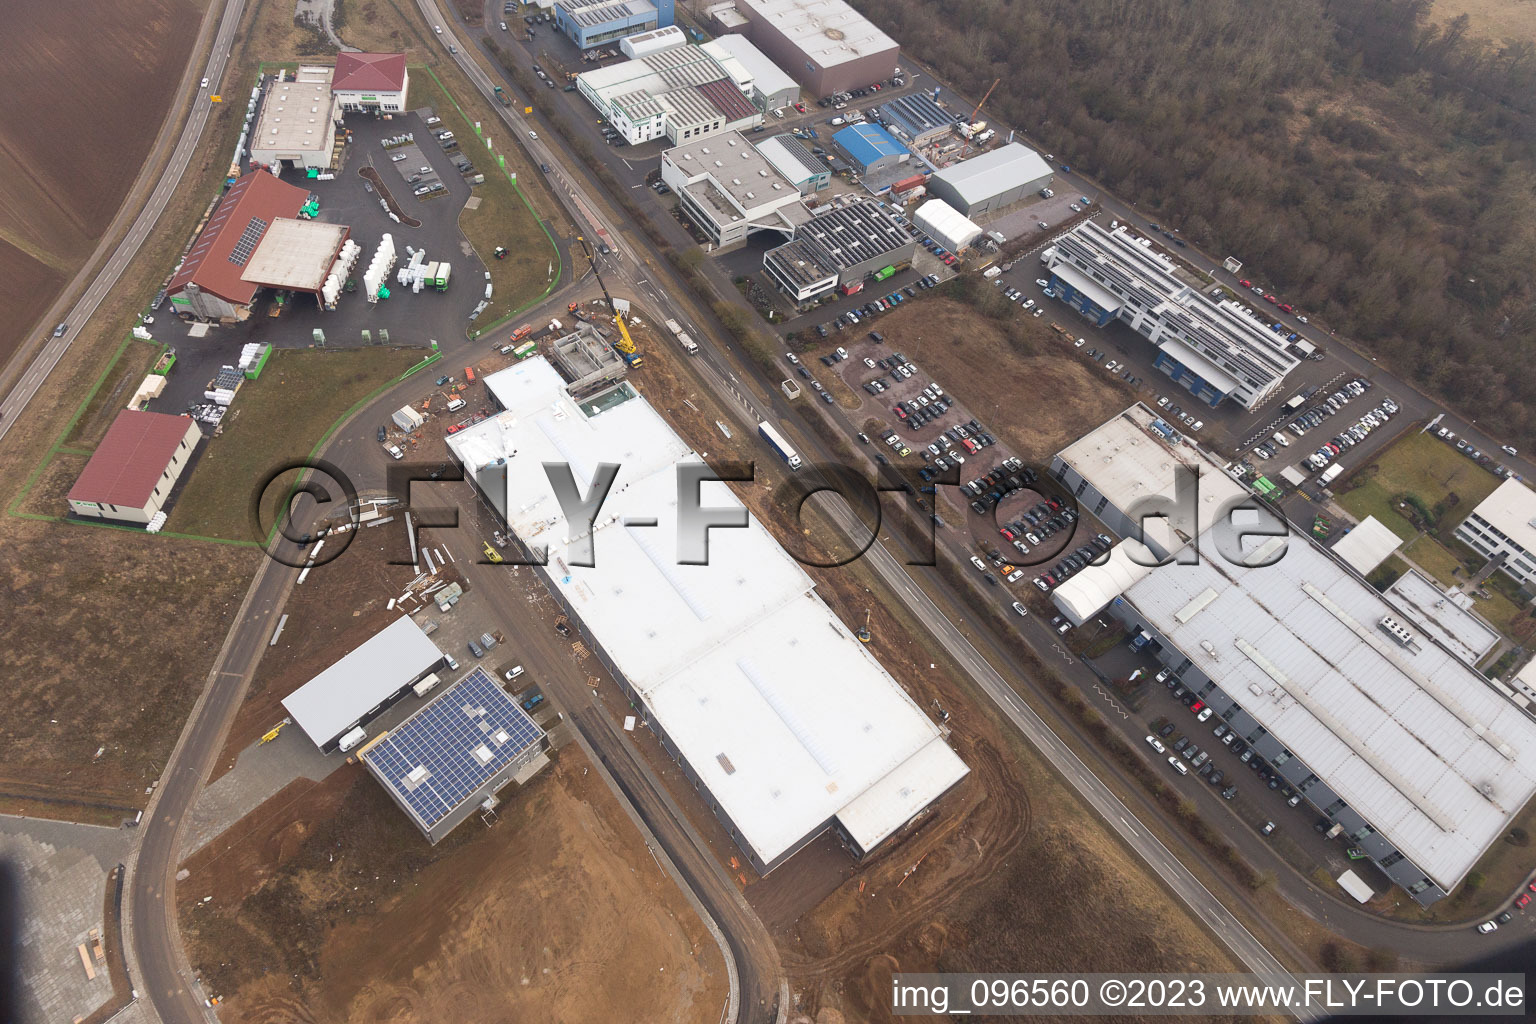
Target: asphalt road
[53, 349]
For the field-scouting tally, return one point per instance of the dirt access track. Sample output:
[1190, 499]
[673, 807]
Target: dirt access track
[328, 905]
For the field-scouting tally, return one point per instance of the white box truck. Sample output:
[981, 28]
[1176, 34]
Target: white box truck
[1330, 474]
[424, 687]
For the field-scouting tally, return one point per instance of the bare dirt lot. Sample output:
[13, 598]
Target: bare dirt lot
[99, 625]
[1016, 376]
[106, 74]
[328, 905]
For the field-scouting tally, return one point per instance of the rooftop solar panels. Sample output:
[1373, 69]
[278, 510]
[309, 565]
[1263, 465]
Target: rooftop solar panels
[247, 241]
[439, 759]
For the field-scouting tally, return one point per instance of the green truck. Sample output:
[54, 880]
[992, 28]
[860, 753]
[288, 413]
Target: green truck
[501, 94]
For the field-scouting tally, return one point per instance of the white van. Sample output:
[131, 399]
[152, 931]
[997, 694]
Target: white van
[1178, 765]
[1282, 440]
[424, 687]
[351, 739]
[455, 404]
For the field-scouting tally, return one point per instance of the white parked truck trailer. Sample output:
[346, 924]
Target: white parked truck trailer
[778, 444]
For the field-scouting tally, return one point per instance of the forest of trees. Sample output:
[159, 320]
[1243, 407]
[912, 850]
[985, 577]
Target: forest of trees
[1377, 169]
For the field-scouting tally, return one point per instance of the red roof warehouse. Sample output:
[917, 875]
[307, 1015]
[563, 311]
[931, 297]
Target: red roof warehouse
[134, 468]
[209, 284]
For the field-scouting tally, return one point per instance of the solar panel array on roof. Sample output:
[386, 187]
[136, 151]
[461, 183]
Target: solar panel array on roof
[442, 755]
[588, 15]
[917, 116]
[1218, 331]
[246, 243]
[855, 233]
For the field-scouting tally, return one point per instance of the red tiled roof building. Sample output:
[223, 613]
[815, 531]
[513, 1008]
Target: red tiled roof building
[208, 284]
[131, 474]
[371, 81]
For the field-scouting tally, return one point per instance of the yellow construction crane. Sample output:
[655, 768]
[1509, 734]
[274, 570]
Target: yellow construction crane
[625, 347]
[625, 344]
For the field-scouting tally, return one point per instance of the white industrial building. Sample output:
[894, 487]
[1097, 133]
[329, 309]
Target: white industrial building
[1446, 614]
[826, 44]
[297, 123]
[356, 689]
[763, 81]
[731, 663]
[1504, 525]
[131, 473]
[1367, 545]
[1346, 694]
[988, 182]
[1208, 346]
[946, 225]
[730, 190]
[646, 43]
[679, 93]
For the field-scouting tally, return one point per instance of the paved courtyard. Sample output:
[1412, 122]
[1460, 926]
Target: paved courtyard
[53, 878]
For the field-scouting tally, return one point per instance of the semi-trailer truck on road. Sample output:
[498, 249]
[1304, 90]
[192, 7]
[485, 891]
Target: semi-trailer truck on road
[778, 444]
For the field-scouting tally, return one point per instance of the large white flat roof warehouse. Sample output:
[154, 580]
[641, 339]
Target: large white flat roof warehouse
[354, 687]
[771, 702]
[1408, 736]
[828, 31]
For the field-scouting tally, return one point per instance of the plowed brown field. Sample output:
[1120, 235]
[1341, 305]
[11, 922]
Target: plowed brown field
[86, 86]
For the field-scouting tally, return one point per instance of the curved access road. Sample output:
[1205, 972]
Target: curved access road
[45, 353]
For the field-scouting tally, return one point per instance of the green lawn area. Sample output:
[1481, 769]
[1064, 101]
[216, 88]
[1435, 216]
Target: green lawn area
[1436, 559]
[111, 398]
[1421, 465]
[504, 216]
[278, 418]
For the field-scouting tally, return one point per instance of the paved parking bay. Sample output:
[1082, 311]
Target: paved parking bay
[53, 878]
[1254, 802]
[982, 530]
[409, 319]
[411, 164]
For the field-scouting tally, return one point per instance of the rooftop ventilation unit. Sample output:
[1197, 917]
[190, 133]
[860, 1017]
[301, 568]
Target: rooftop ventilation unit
[1396, 630]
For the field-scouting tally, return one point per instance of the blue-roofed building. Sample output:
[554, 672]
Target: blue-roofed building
[872, 150]
[591, 23]
[455, 754]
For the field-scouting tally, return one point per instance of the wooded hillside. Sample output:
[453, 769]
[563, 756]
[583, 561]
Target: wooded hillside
[1378, 170]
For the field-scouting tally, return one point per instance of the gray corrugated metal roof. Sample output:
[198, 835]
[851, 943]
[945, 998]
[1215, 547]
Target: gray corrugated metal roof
[995, 171]
[1411, 738]
[329, 704]
[790, 158]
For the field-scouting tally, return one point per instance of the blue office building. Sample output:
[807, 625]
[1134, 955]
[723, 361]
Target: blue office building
[590, 23]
